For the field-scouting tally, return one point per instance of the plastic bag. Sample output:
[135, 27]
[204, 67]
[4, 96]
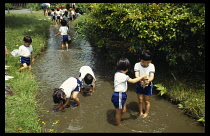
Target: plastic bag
[15, 53]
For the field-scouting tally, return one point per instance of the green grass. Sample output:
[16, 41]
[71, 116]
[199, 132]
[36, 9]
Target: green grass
[21, 109]
[189, 93]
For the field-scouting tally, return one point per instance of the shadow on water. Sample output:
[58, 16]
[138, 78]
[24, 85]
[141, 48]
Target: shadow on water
[97, 113]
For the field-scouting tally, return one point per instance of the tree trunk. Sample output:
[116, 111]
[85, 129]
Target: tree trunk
[8, 10]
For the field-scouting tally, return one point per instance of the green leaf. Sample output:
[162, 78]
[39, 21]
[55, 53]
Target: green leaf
[180, 106]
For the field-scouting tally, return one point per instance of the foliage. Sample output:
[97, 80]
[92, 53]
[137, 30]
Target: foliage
[8, 5]
[162, 89]
[175, 31]
[34, 6]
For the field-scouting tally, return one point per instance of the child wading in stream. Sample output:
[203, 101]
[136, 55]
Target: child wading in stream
[63, 31]
[70, 88]
[144, 87]
[119, 96]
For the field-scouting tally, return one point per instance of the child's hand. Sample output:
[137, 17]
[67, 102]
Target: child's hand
[61, 108]
[55, 35]
[146, 82]
[144, 76]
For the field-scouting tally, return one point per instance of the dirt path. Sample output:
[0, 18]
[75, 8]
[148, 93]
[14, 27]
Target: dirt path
[20, 11]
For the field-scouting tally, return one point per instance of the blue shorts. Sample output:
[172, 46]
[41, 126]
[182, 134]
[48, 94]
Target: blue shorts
[119, 99]
[58, 17]
[25, 60]
[146, 91]
[64, 38]
[53, 17]
[79, 85]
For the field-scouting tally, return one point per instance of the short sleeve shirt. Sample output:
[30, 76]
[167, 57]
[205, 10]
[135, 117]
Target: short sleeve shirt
[120, 82]
[71, 84]
[25, 51]
[144, 70]
[86, 70]
[63, 30]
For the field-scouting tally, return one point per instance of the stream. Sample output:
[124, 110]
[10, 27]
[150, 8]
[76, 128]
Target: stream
[96, 112]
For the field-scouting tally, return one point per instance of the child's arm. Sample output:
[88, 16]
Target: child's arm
[151, 78]
[57, 34]
[64, 105]
[137, 79]
[32, 58]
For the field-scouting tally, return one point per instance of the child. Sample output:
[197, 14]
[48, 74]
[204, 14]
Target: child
[120, 87]
[63, 31]
[65, 17]
[87, 78]
[57, 15]
[25, 52]
[144, 88]
[72, 14]
[53, 16]
[69, 89]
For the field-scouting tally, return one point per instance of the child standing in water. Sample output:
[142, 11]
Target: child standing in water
[144, 87]
[119, 96]
[63, 31]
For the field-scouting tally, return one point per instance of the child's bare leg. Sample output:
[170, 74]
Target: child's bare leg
[23, 67]
[118, 116]
[29, 67]
[67, 46]
[62, 46]
[74, 96]
[140, 98]
[147, 105]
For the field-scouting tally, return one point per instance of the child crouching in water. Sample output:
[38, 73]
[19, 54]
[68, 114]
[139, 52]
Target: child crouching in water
[63, 31]
[119, 96]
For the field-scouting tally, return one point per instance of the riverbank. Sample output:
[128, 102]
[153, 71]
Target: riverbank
[21, 108]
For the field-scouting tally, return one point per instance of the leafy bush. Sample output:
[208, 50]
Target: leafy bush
[174, 31]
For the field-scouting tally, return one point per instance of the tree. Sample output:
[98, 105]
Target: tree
[8, 6]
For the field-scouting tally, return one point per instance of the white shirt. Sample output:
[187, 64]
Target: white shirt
[120, 82]
[52, 13]
[66, 18]
[86, 70]
[57, 13]
[25, 51]
[144, 70]
[72, 12]
[63, 30]
[69, 85]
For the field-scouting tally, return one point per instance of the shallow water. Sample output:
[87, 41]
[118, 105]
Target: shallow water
[96, 113]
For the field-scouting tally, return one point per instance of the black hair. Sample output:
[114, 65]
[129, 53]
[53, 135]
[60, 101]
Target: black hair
[58, 95]
[145, 55]
[88, 79]
[63, 22]
[66, 12]
[27, 39]
[122, 64]
[53, 9]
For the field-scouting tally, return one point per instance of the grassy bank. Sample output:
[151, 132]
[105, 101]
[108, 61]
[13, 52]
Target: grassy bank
[186, 91]
[21, 109]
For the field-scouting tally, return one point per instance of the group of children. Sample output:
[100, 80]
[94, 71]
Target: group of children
[85, 82]
[59, 14]
[144, 75]
[70, 88]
